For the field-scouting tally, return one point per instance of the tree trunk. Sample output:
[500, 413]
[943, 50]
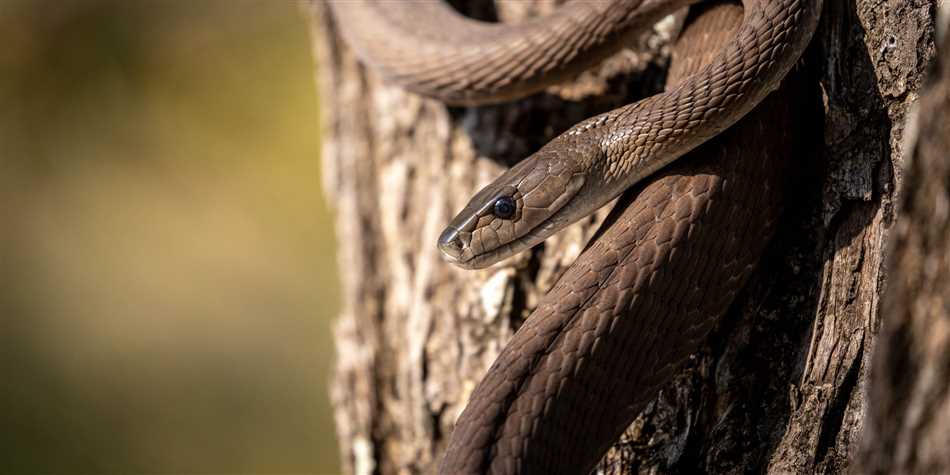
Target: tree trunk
[781, 381]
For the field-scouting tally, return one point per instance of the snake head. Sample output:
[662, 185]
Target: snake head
[528, 203]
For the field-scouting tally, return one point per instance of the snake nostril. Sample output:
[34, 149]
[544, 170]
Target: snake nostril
[450, 244]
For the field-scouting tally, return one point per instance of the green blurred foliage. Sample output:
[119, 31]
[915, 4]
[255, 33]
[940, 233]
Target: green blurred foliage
[167, 277]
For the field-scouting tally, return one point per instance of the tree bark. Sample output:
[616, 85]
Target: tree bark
[909, 419]
[781, 382]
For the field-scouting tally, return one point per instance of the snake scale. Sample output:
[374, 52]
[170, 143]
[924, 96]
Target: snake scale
[599, 345]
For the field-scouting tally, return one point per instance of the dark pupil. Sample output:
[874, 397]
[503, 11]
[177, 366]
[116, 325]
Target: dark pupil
[504, 207]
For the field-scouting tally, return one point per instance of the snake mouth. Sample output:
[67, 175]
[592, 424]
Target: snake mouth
[480, 261]
[450, 243]
[451, 252]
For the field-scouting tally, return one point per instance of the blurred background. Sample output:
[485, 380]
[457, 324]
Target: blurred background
[167, 278]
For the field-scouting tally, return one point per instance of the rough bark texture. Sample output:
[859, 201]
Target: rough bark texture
[909, 418]
[781, 383]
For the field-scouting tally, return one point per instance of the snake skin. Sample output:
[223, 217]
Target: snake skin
[669, 261]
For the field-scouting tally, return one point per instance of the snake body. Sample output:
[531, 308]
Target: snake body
[593, 353]
[427, 47]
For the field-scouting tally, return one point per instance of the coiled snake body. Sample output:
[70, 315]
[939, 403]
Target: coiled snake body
[572, 377]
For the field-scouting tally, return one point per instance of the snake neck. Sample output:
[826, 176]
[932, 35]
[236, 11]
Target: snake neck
[645, 136]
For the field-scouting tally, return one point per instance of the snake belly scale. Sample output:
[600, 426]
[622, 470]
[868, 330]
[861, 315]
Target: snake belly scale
[521, 417]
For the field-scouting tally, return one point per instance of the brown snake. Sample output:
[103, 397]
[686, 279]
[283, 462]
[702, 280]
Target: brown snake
[585, 361]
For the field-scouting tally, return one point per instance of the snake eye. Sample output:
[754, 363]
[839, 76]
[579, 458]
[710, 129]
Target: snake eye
[504, 207]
